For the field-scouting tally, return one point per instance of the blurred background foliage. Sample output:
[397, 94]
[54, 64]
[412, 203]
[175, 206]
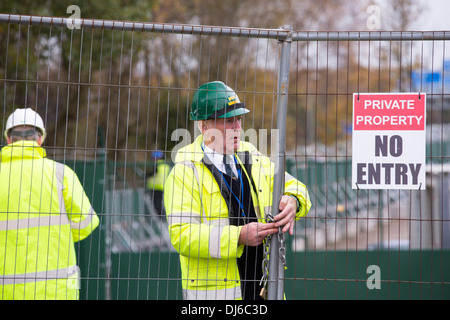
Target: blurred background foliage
[133, 89]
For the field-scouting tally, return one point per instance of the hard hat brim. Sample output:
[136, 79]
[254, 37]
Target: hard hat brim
[234, 113]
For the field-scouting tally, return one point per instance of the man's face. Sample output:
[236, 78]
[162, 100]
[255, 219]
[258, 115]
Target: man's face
[223, 135]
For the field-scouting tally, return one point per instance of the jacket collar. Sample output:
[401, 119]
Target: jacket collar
[192, 152]
[22, 150]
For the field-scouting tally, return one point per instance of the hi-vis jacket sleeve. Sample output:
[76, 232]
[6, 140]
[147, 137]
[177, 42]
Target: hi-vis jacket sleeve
[292, 186]
[82, 217]
[196, 230]
[296, 188]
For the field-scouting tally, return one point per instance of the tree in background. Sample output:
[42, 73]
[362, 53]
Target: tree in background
[135, 87]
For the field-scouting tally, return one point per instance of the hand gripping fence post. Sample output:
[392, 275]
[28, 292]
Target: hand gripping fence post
[275, 285]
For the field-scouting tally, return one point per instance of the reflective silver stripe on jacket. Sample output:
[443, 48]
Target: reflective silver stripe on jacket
[191, 165]
[184, 217]
[40, 276]
[219, 294]
[195, 218]
[44, 221]
[215, 234]
[59, 172]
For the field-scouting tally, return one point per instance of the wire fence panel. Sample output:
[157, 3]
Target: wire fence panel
[116, 97]
[350, 232]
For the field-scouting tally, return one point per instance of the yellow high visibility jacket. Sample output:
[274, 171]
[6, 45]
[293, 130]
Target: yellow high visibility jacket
[156, 182]
[199, 225]
[43, 211]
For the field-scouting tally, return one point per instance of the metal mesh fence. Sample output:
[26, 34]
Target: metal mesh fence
[115, 99]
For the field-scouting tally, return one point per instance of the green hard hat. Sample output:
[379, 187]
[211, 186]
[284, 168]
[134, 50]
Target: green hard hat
[216, 100]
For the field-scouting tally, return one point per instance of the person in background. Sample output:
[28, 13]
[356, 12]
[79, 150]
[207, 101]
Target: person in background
[217, 198]
[43, 211]
[156, 180]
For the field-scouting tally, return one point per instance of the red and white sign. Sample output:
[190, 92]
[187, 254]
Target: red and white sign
[388, 141]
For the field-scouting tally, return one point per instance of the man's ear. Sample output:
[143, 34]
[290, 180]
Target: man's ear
[39, 141]
[202, 126]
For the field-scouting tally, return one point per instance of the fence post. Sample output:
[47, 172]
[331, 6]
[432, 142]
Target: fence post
[275, 284]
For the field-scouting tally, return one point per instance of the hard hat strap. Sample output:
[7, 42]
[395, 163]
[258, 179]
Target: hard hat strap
[24, 133]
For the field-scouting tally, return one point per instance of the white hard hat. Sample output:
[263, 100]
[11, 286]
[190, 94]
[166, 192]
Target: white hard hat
[26, 116]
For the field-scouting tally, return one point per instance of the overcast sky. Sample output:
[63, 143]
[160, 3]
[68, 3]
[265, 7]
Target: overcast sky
[436, 17]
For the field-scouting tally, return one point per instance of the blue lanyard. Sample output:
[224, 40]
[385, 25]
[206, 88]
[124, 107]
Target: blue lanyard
[241, 204]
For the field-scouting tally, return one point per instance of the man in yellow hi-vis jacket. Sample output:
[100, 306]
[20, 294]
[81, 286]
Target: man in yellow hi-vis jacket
[217, 197]
[43, 211]
[155, 182]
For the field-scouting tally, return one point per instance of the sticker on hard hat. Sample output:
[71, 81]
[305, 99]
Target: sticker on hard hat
[233, 100]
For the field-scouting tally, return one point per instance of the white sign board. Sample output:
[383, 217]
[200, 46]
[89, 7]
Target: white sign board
[388, 145]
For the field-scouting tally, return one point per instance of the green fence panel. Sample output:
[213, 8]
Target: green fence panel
[336, 275]
[91, 251]
[146, 276]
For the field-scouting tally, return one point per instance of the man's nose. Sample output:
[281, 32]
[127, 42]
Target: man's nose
[237, 125]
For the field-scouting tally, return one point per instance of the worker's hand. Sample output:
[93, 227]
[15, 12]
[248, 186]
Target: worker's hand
[253, 234]
[286, 217]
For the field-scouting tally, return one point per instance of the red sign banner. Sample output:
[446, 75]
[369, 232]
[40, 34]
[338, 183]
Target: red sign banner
[381, 111]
